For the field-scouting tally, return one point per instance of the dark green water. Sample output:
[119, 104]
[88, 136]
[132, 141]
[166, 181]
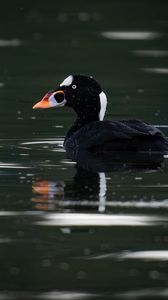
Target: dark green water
[68, 232]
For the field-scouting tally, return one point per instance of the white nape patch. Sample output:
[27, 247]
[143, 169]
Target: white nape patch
[103, 104]
[67, 81]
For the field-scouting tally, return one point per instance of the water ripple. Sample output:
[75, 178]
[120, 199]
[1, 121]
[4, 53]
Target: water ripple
[10, 43]
[65, 295]
[79, 219]
[149, 255]
[151, 53]
[20, 213]
[58, 142]
[130, 35]
[87, 203]
[51, 295]
[156, 70]
[13, 166]
[140, 294]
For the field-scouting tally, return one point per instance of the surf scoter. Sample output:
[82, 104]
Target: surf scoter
[85, 95]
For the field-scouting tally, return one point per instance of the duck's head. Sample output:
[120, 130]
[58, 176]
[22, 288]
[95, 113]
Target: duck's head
[83, 93]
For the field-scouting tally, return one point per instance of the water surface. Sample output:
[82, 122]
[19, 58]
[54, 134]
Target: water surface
[87, 229]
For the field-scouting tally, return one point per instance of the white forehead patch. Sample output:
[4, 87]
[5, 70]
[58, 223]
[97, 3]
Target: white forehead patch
[103, 104]
[67, 81]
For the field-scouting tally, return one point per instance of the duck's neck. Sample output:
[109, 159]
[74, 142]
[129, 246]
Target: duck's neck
[89, 110]
[82, 120]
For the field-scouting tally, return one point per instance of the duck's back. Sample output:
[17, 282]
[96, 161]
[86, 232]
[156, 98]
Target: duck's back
[129, 135]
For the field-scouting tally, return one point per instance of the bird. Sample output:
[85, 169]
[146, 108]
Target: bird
[90, 131]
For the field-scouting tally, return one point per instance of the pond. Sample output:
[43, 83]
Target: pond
[81, 228]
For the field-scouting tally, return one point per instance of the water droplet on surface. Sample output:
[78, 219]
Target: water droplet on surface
[140, 91]
[20, 233]
[138, 178]
[46, 263]
[81, 275]
[154, 274]
[62, 17]
[64, 266]
[14, 271]
[86, 251]
[84, 16]
[58, 126]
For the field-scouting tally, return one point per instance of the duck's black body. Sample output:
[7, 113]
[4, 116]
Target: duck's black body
[90, 132]
[107, 136]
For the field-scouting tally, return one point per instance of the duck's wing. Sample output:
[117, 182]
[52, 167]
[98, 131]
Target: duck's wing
[99, 133]
[142, 127]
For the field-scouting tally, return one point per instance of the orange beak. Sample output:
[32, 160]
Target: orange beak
[47, 102]
[44, 103]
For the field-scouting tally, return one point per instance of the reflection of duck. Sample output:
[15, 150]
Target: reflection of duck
[118, 161]
[86, 186]
[89, 131]
[87, 190]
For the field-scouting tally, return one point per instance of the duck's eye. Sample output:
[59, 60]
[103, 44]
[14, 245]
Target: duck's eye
[74, 86]
[59, 96]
